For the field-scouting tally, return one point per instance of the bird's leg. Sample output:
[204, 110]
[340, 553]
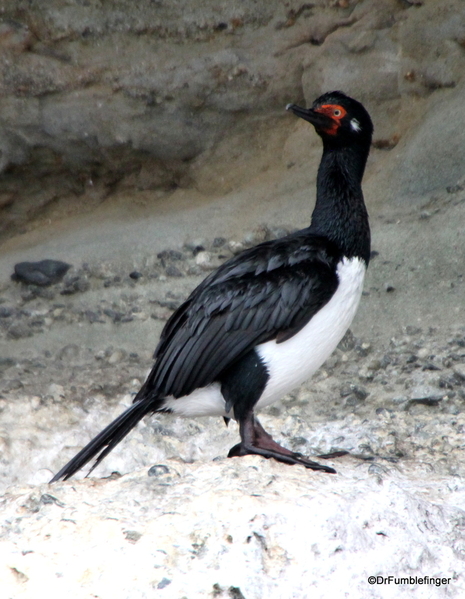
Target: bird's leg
[242, 385]
[256, 441]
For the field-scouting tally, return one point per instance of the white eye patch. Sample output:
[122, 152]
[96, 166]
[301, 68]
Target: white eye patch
[355, 125]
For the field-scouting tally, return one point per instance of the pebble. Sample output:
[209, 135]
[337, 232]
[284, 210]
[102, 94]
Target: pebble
[113, 314]
[6, 312]
[256, 236]
[75, 284]
[43, 273]
[350, 389]
[236, 247]
[117, 356]
[459, 370]
[173, 271]
[69, 352]
[6, 363]
[423, 352]
[195, 245]
[19, 330]
[158, 470]
[35, 402]
[204, 260]
[56, 391]
[160, 313]
[170, 255]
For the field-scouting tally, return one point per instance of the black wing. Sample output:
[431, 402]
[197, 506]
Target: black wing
[268, 292]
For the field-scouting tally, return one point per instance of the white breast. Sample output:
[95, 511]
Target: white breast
[292, 362]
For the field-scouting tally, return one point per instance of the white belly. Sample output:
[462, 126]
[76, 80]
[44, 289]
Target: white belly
[297, 359]
[292, 362]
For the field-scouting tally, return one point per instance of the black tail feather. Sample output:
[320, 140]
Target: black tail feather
[106, 440]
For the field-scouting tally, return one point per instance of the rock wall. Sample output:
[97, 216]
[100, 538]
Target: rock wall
[96, 95]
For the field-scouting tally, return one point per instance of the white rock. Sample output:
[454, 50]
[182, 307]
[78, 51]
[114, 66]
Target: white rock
[203, 259]
[267, 529]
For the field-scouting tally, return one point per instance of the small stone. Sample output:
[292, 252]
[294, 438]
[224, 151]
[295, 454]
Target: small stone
[173, 271]
[374, 364]
[426, 401]
[412, 330]
[359, 392]
[365, 374]
[218, 242]
[261, 233]
[141, 315]
[113, 314]
[160, 313]
[117, 356]
[351, 400]
[423, 352]
[204, 260]
[363, 349]
[459, 370]
[42, 273]
[279, 232]
[35, 402]
[6, 363]
[75, 284]
[132, 536]
[92, 316]
[348, 342]
[56, 391]
[195, 245]
[19, 330]
[171, 303]
[197, 249]
[32, 292]
[170, 255]
[135, 275]
[236, 246]
[164, 582]
[158, 470]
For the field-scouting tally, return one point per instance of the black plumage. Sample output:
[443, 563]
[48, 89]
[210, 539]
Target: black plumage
[268, 293]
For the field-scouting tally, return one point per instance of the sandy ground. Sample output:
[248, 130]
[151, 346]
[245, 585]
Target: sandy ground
[419, 241]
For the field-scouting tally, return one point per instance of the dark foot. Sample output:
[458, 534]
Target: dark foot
[284, 455]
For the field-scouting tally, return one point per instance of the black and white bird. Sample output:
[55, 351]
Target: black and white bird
[267, 319]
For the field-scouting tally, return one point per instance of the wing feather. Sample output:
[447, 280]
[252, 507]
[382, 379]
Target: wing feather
[268, 292]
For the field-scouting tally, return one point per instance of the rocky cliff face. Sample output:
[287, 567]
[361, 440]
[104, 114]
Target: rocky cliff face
[95, 96]
[144, 143]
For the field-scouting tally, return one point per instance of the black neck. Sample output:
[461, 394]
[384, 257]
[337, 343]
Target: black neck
[340, 213]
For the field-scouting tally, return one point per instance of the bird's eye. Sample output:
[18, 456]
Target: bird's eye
[337, 112]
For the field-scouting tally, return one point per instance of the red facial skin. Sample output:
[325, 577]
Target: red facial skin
[336, 113]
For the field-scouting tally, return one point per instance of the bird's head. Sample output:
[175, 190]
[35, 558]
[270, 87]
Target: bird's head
[338, 119]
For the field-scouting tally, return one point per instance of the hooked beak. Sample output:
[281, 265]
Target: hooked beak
[317, 119]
